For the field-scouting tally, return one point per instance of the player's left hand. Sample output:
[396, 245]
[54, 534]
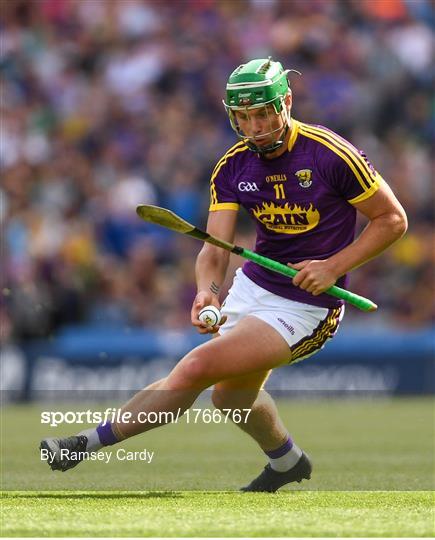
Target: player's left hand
[314, 276]
[205, 298]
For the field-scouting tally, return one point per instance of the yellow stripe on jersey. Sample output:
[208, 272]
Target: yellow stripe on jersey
[293, 135]
[365, 183]
[347, 147]
[327, 329]
[224, 206]
[239, 147]
[367, 194]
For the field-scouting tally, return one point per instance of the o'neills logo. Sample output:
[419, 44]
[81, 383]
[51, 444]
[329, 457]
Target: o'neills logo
[287, 219]
[276, 178]
[288, 326]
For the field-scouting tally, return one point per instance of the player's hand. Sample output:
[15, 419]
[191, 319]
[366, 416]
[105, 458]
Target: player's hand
[314, 276]
[202, 299]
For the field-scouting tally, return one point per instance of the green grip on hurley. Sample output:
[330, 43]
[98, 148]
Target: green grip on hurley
[358, 301]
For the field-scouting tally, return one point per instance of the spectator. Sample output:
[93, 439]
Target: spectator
[106, 105]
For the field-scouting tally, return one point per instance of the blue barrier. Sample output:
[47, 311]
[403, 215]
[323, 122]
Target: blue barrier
[355, 360]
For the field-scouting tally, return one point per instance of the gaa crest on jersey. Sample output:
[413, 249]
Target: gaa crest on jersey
[304, 177]
[247, 186]
[287, 219]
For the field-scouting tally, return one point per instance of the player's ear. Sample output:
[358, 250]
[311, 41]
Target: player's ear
[289, 99]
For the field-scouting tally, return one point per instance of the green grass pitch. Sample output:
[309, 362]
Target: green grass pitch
[373, 476]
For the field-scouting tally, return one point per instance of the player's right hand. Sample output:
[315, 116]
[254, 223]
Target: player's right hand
[202, 299]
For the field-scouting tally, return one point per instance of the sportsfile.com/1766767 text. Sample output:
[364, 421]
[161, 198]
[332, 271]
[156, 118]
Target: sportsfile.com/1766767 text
[112, 414]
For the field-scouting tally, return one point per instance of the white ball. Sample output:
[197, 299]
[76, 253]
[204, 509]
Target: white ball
[210, 315]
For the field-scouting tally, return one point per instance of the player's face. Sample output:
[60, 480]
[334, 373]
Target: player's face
[263, 126]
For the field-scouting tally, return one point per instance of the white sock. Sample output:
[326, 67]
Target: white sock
[285, 457]
[94, 442]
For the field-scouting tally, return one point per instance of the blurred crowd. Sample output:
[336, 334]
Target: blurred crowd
[106, 104]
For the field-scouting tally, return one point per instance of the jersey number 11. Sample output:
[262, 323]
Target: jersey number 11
[279, 191]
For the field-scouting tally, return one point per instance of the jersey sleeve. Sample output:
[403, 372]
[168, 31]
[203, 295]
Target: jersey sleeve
[353, 176]
[222, 195]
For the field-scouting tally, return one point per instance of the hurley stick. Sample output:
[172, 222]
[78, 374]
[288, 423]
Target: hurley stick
[166, 218]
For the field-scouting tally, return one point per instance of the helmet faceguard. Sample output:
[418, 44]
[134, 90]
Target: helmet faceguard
[259, 84]
[277, 134]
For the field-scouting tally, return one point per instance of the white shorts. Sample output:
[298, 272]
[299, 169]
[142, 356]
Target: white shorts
[305, 328]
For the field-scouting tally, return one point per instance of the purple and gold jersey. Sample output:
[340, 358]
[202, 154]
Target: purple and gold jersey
[301, 201]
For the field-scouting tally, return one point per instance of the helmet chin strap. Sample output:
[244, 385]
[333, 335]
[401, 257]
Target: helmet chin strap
[271, 147]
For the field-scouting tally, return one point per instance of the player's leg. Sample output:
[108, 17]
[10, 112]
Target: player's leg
[305, 329]
[251, 346]
[263, 423]
[287, 462]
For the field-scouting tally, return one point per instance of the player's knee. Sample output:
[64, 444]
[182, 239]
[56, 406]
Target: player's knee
[233, 399]
[193, 370]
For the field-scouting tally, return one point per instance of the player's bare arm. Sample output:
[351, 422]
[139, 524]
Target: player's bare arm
[387, 223]
[211, 266]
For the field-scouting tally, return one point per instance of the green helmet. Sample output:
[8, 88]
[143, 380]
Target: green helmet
[258, 83]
